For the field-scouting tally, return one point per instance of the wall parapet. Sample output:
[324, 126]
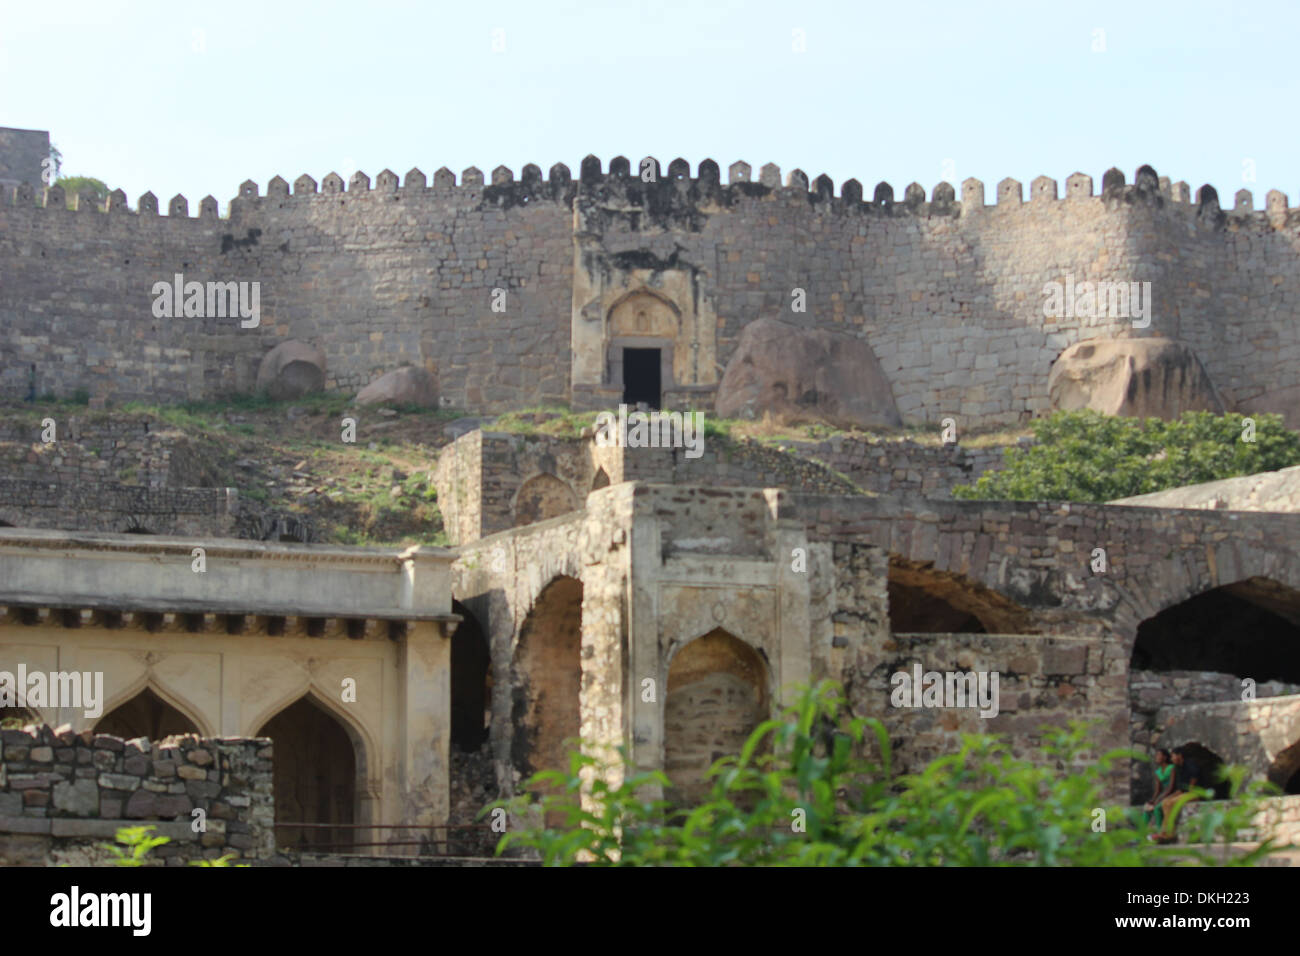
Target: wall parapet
[503, 189]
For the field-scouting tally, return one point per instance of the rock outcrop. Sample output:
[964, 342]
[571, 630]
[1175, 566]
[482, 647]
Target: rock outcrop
[1141, 378]
[806, 375]
[403, 386]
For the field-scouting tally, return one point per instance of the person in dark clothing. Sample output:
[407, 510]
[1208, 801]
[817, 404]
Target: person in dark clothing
[1188, 776]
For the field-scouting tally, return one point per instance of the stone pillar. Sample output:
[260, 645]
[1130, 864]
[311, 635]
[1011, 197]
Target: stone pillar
[424, 669]
[794, 666]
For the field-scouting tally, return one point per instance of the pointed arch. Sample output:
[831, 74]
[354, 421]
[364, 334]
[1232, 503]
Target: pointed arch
[717, 692]
[148, 682]
[320, 761]
[541, 497]
[361, 736]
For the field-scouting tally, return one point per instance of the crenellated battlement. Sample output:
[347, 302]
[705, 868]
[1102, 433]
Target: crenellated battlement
[527, 286]
[649, 183]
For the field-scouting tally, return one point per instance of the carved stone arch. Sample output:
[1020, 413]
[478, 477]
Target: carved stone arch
[150, 682]
[542, 496]
[717, 690]
[622, 317]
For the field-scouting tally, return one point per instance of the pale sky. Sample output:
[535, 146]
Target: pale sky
[194, 98]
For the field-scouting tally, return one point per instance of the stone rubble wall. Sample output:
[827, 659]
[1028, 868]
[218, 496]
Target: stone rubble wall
[1279, 818]
[1042, 680]
[60, 789]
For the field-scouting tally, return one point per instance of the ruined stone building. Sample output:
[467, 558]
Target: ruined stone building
[577, 573]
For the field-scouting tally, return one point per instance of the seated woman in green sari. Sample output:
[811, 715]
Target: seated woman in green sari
[1164, 786]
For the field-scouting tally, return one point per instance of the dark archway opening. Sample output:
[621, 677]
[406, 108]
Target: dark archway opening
[641, 377]
[925, 601]
[471, 683]
[600, 481]
[145, 715]
[1211, 765]
[1285, 770]
[1249, 629]
[545, 710]
[914, 610]
[314, 776]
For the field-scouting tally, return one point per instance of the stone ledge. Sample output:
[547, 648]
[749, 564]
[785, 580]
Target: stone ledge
[25, 825]
[178, 831]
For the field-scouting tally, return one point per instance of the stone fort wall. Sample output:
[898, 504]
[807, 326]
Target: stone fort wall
[948, 293]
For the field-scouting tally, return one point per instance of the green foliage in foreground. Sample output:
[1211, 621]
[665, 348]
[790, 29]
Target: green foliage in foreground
[139, 841]
[1085, 456]
[818, 802]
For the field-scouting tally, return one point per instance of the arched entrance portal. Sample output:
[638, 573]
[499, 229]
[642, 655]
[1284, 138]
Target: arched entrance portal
[315, 776]
[716, 695]
[145, 715]
[548, 679]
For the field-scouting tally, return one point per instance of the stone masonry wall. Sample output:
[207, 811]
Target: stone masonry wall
[59, 788]
[127, 449]
[1042, 680]
[903, 466]
[948, 293]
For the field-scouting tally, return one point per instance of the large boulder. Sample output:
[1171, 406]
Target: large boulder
[1139, 378]
[402, 386]
[291, 370]
[806, 375]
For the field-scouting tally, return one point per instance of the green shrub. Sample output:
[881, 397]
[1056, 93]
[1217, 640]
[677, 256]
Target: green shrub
[1085, 456]
[804, 792]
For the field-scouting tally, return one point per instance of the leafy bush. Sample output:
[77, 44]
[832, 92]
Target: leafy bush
[1085, 456]
[803, 792]
[73, 186]
[139, 841]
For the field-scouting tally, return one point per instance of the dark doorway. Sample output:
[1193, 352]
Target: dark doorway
[641, 381]
[314, 776]
[471, 683]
